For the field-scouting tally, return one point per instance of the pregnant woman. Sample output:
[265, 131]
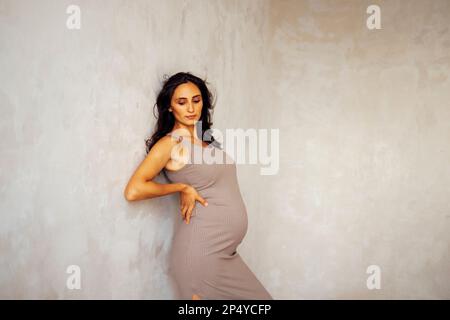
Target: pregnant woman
[203, 259]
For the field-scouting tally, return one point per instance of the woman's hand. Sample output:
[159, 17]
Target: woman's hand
[188, 196]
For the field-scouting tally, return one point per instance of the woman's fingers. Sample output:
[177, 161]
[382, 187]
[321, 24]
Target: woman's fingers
[186, 210]
[202, 201]
[188, 214]
[183, 211]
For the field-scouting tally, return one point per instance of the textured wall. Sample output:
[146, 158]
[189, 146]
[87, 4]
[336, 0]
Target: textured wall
[365, 126]
[76, 107]
[363, 118]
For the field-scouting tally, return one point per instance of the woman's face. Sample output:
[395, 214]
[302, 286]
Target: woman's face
[187, 104]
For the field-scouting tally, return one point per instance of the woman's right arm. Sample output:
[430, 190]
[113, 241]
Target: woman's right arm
[140, 185]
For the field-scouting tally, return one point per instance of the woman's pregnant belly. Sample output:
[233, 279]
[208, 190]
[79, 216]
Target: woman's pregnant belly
[212, 236]
[216, 229]
[224, 224]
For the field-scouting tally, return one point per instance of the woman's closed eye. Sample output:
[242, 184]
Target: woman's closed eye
[183, 103]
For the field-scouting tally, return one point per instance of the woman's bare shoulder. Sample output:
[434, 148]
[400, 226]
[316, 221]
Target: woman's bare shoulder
[163, 147]
[159, 154]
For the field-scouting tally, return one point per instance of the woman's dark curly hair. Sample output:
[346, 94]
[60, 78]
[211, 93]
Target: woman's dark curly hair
[165, 118]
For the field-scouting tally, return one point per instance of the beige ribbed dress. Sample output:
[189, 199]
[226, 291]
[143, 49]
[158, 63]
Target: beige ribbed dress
[203, 257]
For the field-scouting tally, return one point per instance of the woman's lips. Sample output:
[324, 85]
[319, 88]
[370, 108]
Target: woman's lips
[190, 117]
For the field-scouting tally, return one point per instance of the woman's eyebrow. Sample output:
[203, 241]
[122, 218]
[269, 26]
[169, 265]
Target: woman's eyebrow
[198, 95]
